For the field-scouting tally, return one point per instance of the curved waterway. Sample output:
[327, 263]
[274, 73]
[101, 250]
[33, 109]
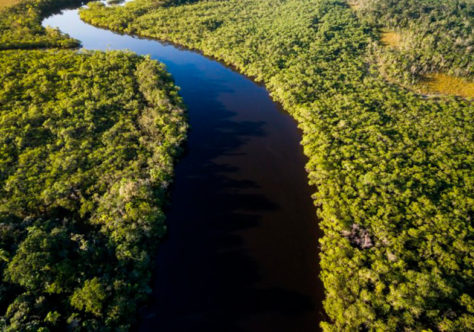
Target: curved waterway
[241, 251]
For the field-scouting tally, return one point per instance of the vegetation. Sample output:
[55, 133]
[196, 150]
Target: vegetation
[87, 142]
[7, 3]
[393, 169]
[87, 146]
[20, 25]
[390, 38]
[446, 85]
[434, 36]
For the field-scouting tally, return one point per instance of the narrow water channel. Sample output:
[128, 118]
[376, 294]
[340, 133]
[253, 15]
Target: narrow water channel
[241, 251]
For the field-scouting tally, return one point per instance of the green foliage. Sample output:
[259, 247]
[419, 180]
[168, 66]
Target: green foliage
[41, 262]
[389, 164]
[89, 298]
[87, 144]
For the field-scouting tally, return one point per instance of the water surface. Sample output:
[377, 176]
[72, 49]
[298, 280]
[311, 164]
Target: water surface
[241, 251]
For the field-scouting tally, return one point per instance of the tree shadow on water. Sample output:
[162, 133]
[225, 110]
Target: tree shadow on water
[205, 279]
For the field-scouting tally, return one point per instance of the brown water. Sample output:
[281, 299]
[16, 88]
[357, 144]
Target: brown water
[241, 251]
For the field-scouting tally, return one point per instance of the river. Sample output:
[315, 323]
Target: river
[241, 249]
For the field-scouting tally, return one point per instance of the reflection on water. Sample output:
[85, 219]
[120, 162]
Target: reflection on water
[241, 252]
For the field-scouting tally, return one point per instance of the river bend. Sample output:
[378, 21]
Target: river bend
[241, 251]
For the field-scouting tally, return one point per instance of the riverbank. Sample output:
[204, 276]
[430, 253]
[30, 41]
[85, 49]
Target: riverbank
[88, 141]
[387, 162]
[251, 227]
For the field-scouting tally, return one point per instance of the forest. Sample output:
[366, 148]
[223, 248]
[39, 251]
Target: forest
[21, 25]
[393, 168]
[436, 36]
[87, 144]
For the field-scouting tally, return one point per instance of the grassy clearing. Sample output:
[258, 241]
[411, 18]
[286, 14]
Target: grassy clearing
[390, 38]
[7, 3]
[447, 85]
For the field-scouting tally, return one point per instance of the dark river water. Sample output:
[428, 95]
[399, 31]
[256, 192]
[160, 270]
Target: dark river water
[241, 251]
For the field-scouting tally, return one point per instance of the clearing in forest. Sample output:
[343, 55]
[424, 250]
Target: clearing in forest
[6, 3]
[390, 38]
[439, 83]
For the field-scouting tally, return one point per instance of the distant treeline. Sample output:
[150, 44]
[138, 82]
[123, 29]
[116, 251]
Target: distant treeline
[87, 144]
[393, 169]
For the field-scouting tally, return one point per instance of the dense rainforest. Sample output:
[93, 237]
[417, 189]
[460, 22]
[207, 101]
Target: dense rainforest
[393, 168]
[87, 143]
